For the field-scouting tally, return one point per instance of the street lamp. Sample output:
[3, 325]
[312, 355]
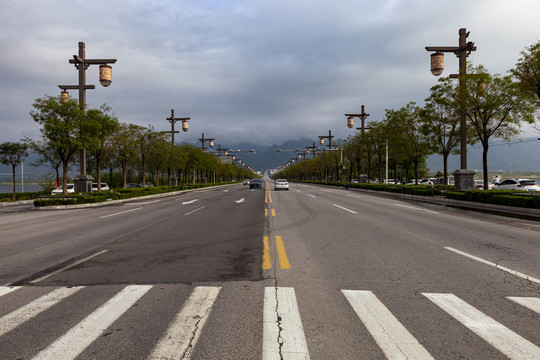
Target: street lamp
[173, 120]
[363, 177]
[83, 182]
[329, 137]
[463, 178]
[203, 140]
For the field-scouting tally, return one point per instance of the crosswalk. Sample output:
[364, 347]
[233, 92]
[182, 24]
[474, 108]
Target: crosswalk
[282, 331]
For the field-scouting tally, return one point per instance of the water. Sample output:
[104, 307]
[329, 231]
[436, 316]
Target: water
[18, 187]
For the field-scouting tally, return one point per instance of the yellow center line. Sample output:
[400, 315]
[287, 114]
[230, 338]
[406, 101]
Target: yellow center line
[266, 254]
[273, 212]
[266, 212]
[268, 197]
[283, 260]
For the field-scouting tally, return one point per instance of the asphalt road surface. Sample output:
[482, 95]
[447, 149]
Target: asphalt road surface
[234, 273]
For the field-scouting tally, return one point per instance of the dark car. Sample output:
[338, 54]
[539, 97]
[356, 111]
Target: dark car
[255, 184]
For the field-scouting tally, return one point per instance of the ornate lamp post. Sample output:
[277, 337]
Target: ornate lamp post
[203, 140]
[173, 180]
[329, 137]
[363, 178]
[463, 178]
[83, 182]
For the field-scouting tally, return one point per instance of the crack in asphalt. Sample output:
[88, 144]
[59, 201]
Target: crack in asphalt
[189, 349]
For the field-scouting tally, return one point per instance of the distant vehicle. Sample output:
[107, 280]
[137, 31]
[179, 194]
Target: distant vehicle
[132, 185]
[281, 184]
[70, 190]
[519, 184]
[146, 184]
[104, 187]
[246, 182]
[255, 184]
[479, 185]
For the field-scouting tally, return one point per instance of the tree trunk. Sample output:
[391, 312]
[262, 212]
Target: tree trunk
[14, 188]
[485, 165]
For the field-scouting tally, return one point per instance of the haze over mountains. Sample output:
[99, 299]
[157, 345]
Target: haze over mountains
[518, 156]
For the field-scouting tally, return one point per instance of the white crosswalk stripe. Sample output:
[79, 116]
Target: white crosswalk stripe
[391, 336]
[498, 335]
[282, 331]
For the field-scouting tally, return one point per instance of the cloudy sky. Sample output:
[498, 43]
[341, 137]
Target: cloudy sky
[261, 71]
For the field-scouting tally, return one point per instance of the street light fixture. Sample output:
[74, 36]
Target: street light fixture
[463, 178]
[203, 140]
[329, 137]
[83, 182]
[173, 180]
[363, 178]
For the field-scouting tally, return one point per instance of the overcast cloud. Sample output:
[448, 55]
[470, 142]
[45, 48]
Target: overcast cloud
[248, 70]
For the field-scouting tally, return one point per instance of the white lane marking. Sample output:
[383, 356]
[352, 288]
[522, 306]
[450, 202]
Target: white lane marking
[240, 201]
[7, 289]
[25, 313]
[496, 334]
[190, 202]
[191, 212]
[503, 268]
[530, 303]
[121, 212]
[143, 203]
[416, 208]
[341, 207]
[72, 343]
[225, 190]
[68, 267]
[392, 337]
[313, 196]
[183, 333]
[283, 334]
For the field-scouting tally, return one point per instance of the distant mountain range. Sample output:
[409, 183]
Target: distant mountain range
[518, 156]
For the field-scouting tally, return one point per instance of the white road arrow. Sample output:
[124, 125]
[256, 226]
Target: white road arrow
[240, 201]
[189, 202]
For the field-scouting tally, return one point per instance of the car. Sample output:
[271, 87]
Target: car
[70, 190]
[281, 184]
[132, 185]
[246, 181]
[519, 184]
[104, 187]
[255, 184]
[479, 185]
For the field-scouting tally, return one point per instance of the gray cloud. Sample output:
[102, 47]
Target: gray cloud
[262, 71]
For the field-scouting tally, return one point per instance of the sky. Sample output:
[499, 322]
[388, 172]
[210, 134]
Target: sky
[252, 71]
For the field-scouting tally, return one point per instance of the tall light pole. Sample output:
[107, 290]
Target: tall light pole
[463, 178]
[173, 180]
[329, 137]
[363, 177]
[203, 140]
[83, 182]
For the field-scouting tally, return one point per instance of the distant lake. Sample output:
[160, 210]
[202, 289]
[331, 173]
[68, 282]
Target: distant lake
[18, 187]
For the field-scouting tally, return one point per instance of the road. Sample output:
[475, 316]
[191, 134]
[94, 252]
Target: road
[233, 273]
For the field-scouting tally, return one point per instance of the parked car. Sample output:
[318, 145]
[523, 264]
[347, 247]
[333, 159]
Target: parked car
[246, 181]
[519, 184]
[255, 184]
[479, 185]
[104, 187]
[132, 185]
[59, 190]
[281, 184]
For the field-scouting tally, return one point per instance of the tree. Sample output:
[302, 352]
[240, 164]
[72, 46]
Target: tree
[123, 147]
[12, 154]
[527, 71]
[105, 124]
[46, 155]
[64, 127]
[440, 120]
[495, 108]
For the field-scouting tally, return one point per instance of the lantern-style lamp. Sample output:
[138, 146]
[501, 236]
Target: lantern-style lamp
[437, 63]
[350, 122]
[64, 96]
[105, 75]
[322, 141]
[211, 143]
[185, 125]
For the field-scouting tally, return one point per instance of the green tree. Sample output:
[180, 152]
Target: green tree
[123, 147]
[105, 125]
[12, 154]
[495, 108]
[440, 120]
[527, 71]
[47, 155]
[64, 127]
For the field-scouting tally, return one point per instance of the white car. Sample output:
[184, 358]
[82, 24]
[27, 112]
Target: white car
[281, 184]
[104, 187]
[70, 190]
[479, 185]
[519, 184]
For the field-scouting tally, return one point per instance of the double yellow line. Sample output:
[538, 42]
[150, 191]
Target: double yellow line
[282, 254]
[280, 247]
